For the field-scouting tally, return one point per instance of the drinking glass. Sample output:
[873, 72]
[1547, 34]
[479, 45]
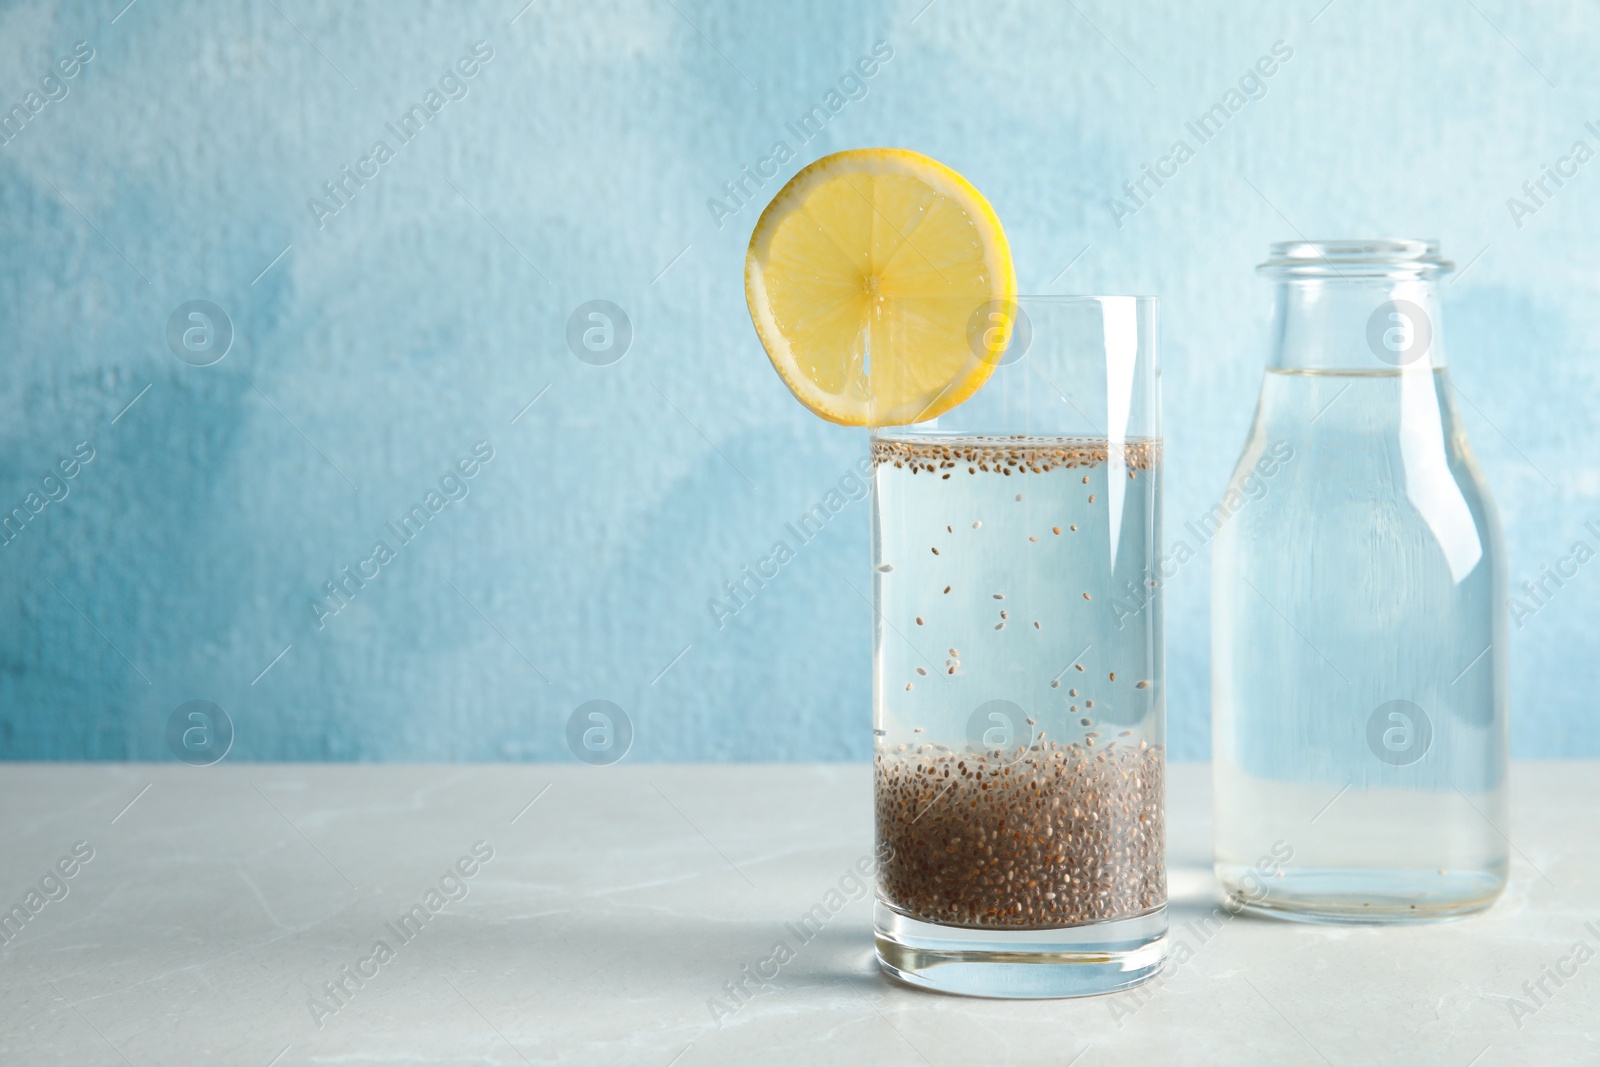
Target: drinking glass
[1018, 669]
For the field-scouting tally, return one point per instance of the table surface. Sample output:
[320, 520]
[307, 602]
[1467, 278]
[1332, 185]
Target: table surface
[616, 904]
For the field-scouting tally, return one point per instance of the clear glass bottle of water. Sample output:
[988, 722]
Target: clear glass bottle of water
[1358, 624]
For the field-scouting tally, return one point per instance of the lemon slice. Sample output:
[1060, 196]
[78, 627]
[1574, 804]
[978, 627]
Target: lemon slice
[865, 277]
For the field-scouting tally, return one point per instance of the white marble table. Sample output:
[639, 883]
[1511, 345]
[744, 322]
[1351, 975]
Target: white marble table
[615, 907]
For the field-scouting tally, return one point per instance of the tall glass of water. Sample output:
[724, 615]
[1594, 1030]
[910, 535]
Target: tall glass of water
[1018, 678]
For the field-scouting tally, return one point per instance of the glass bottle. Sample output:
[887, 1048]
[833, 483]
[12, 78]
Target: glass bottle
[1359, 635]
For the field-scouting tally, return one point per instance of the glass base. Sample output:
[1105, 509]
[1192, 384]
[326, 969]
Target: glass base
[1361, 896]
[1073, 961]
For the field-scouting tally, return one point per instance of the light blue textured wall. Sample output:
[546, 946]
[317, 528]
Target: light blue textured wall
[375, 345]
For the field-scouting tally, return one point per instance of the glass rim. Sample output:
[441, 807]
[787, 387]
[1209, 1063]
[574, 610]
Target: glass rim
[1087, 298]
[1371, 257]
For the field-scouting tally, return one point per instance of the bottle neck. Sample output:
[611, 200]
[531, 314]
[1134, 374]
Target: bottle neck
[1358, 325]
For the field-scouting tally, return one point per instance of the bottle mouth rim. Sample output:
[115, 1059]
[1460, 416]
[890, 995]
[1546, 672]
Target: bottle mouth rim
[1376, 257]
